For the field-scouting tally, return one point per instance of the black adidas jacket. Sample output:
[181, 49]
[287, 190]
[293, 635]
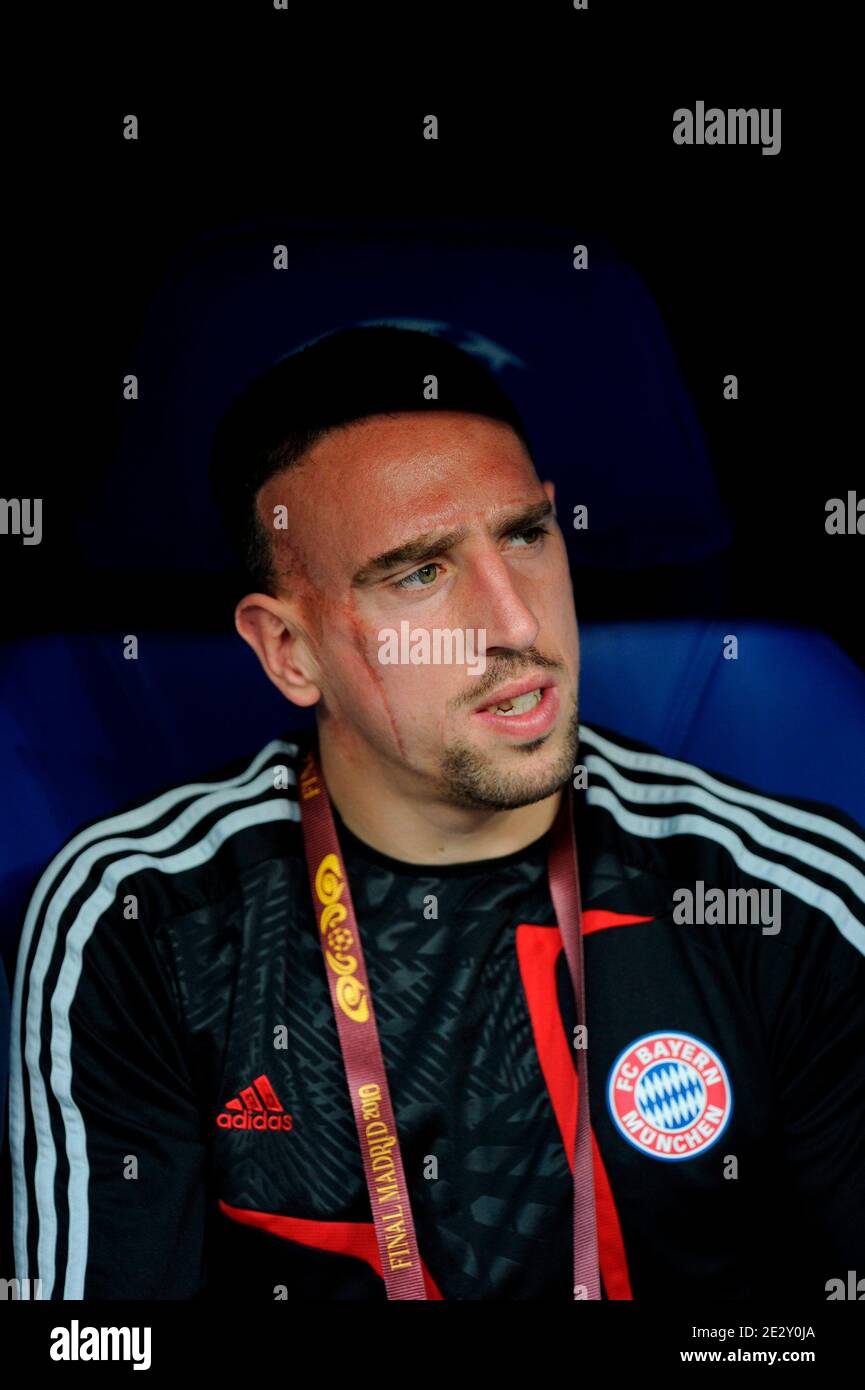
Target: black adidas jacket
[179, 1120]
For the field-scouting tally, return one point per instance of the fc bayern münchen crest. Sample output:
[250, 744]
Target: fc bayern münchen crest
[669, 1095]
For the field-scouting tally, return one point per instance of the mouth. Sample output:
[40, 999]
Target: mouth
[523, 709]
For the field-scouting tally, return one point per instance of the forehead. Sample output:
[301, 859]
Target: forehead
[380, 482]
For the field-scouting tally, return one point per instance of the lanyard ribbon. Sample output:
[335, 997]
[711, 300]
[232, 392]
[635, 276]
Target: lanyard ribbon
[362, 1055]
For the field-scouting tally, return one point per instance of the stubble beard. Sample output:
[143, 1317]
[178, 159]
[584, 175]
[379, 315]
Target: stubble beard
[473, 779]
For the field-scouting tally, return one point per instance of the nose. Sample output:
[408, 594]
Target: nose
[497, 605]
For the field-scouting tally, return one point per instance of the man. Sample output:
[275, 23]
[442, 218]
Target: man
[180, 1119]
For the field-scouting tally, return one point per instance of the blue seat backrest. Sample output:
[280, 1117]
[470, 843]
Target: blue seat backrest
[584, 354]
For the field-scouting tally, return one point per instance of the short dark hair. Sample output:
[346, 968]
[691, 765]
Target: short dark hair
[345, 376]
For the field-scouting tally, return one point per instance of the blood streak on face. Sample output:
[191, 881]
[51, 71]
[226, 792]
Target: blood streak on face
[361, 642]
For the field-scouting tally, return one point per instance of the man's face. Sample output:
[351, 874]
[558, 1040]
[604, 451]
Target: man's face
[462, 492]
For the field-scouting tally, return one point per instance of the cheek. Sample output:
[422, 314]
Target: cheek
[403, 695]
[350, 647]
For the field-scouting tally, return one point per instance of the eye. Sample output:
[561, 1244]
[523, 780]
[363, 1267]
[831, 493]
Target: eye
[416, 579]
[424, 569]
[533, 531]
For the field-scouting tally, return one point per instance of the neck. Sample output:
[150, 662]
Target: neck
[380, 807]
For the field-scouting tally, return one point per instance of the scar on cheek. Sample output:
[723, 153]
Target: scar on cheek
[360, 635]
[360, 632]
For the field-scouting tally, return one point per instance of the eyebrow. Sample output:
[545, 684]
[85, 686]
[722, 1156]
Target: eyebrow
[431, 543]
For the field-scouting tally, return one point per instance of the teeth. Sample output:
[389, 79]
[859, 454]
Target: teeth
[520, 705]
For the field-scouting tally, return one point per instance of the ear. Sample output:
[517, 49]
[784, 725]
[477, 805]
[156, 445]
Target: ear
[271, 628]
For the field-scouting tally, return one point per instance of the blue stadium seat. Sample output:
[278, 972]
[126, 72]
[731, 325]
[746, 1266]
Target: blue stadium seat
[83, 731]
[584, 354]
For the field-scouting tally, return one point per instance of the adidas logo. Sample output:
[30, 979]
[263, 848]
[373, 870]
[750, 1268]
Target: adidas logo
[257, 1108]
